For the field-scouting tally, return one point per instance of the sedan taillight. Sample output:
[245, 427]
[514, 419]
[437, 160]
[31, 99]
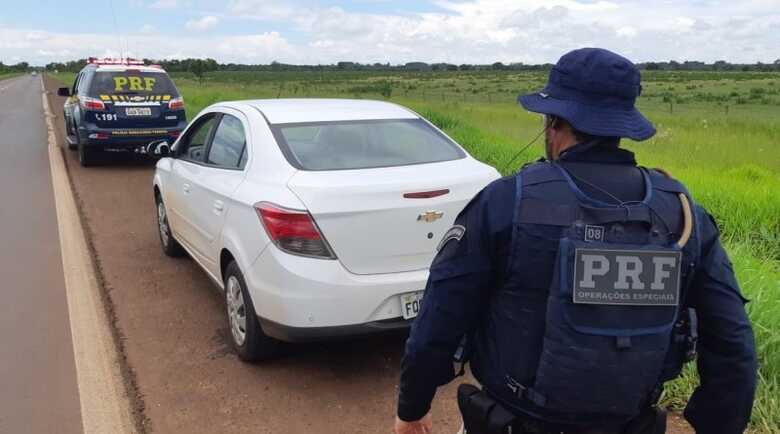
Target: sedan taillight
[293, 231]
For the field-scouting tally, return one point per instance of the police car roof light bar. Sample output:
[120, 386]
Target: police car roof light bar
[114, 61]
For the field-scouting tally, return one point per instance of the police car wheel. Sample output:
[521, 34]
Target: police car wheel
[87, 157]
[73, 131]
[170, 246]
[246, 335]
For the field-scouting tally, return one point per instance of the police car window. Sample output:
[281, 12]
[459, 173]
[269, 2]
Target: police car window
[227, 147]
[76, 83]
[192, 146]
[83, 82]
[132, 82]
[365, 144]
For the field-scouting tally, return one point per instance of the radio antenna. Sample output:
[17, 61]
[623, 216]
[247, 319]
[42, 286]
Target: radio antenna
[523, 149]
[116, 30]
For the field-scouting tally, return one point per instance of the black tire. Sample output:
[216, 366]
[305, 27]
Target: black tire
[87, 157]
[169, 245]
[256, 345]
[75, 131]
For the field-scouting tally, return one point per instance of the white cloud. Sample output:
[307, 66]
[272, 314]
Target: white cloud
[44, 47]
[626, 31]
[204, 23]
[147, 29]
[458, 31]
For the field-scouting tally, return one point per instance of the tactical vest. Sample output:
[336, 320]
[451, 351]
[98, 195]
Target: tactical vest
[591, 316]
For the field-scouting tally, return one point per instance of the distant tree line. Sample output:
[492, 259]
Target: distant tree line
[199, 67]
[720, 65]
[19, 67]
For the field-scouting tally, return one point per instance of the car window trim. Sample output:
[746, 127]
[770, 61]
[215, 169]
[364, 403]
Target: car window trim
[206, 154]
[281, 141]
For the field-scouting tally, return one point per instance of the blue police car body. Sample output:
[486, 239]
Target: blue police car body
[120, 105]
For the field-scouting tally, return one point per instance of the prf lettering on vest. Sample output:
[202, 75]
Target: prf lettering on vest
[635, 277]
[133, 83]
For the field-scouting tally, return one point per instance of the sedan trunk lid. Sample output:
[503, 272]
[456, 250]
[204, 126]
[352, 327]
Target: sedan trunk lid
[370, 224]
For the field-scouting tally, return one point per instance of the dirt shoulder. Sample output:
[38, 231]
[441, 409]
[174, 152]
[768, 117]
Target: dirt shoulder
[170, 324]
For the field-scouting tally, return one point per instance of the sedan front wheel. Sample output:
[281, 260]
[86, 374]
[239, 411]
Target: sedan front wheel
[170, 246]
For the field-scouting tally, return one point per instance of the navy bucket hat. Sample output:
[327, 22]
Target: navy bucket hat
[595, 91]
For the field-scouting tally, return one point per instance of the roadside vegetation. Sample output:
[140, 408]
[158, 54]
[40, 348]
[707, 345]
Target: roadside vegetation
[718, 132]
[9, 71]
[7, 75]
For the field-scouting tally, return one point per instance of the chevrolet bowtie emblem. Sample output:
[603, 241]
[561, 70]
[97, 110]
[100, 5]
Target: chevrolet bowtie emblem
[137, 99]
[430, 216]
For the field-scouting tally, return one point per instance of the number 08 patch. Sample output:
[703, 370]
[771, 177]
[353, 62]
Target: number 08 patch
[628, 277]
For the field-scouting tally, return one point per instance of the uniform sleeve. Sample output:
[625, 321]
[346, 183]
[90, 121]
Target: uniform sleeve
[461, 276]
[727, 357]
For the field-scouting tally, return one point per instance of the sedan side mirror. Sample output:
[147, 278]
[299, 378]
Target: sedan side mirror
[158, 148]
[63, 91]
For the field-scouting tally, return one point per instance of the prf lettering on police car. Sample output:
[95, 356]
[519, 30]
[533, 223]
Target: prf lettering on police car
[133, 83]
[631, 277]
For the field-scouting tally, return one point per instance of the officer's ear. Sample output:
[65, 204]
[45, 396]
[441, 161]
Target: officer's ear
[552, 122]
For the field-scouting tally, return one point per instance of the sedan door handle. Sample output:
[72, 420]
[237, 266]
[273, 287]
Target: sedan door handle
[219, 206]
[186, 188]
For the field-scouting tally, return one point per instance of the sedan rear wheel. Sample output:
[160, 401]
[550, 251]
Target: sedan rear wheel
[236, 310]
[247, 336]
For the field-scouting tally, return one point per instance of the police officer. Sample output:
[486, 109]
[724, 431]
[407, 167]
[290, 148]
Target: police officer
[581, 284]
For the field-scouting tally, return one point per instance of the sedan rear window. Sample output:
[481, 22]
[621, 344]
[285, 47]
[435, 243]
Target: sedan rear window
[364, 144]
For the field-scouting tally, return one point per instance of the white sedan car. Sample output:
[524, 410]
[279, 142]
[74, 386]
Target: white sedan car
[317, 217]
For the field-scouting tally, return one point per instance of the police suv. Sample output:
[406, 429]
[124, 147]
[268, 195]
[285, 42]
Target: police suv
[120, 104]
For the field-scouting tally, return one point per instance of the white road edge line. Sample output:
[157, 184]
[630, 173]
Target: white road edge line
[105, 407]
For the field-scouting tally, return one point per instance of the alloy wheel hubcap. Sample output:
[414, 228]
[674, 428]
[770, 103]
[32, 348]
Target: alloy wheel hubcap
[236, 310]
[162, 220]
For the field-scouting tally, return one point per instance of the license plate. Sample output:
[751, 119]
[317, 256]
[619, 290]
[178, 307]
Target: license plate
[411, 303]
[138, 111]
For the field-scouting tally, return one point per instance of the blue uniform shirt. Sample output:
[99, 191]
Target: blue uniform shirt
[465, 272]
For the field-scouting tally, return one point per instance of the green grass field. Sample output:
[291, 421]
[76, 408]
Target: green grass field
[717, 132]
[7, 75]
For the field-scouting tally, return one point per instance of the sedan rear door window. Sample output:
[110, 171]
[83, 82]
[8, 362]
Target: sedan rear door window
[228, 145]
[193, 144]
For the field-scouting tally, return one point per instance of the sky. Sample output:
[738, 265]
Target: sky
[369, 31]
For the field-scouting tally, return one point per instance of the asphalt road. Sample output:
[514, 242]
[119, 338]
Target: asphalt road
[38, 387]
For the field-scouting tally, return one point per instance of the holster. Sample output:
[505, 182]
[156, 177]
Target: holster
[481, 413]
